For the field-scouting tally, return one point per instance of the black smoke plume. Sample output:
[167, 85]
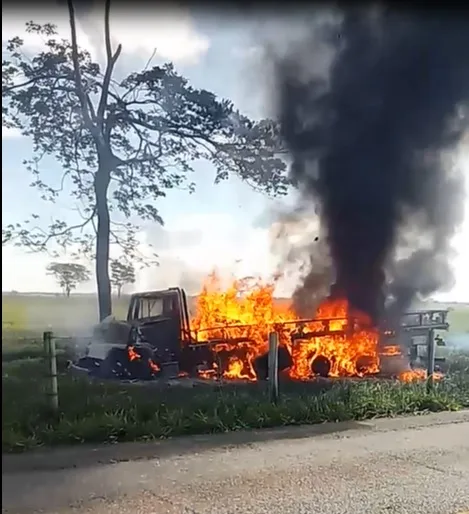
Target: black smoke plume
[370, 144]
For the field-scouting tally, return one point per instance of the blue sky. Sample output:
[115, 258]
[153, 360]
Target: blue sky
[226, 225]
[211, 55]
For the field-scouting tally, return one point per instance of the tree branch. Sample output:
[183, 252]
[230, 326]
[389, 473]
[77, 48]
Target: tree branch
[171, 130]
[65, 231]
[111, 61]
[8, 89]
[76, 67]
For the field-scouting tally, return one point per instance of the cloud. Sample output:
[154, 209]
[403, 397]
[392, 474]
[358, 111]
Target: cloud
[226, 244]
[25, 271]
[13, 24]
[170, 33]
[8, 132]
[192, 246]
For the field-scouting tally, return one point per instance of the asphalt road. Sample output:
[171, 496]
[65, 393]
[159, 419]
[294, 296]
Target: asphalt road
[408, 465]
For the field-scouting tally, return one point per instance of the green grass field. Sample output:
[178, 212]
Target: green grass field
[90, 411]
[458, 318]
[33, 313]
[66, 316]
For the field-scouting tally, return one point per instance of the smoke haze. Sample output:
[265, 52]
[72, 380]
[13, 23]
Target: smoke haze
[371, 142]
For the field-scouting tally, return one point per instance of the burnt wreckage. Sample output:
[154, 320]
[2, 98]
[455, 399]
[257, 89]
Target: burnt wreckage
[157, 340]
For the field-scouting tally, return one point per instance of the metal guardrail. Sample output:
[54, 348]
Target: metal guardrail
[411, 321]
[431, 319]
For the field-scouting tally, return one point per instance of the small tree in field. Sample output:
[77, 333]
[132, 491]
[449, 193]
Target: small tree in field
[121, 274]
[121, 143]
[68, 275]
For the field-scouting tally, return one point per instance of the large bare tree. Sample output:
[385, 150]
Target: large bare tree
[120, 143]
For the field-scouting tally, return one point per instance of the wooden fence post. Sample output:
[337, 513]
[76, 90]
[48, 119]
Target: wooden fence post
[430, 359]
[51, 359]
[273, 367]
[45, 341]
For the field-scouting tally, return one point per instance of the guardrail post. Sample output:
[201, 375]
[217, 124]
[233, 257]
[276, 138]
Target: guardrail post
[430, 358]
[51, 359]
[273, 367]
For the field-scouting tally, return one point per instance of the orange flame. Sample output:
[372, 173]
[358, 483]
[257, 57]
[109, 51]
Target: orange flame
[417, 375]
[154, 367]
[391, 350]
[237, 323]
[134, 355]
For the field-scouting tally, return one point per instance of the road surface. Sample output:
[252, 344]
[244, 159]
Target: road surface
[408, 465]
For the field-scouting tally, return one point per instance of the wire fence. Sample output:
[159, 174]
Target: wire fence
[55, 350]
[59, 352]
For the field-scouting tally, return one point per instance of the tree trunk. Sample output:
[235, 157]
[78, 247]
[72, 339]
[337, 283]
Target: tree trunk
[67, 292]
[101, 185]
[119, 290]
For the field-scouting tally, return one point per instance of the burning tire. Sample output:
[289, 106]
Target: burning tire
[363, 364]
[321, 366]
[193, 357]
[261, 363]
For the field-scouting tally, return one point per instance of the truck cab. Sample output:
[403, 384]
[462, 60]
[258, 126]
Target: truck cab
[156, 336]
[159, 320]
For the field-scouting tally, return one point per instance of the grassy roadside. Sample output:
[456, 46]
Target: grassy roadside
[110, 412]
[29, 312]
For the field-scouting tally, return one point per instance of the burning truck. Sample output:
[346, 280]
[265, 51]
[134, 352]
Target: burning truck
[227, 338]
[371, 107]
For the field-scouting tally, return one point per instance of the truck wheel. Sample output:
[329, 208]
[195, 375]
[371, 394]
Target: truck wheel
[115, 364]
[140, 369]
[321, 366]
[261, 363]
